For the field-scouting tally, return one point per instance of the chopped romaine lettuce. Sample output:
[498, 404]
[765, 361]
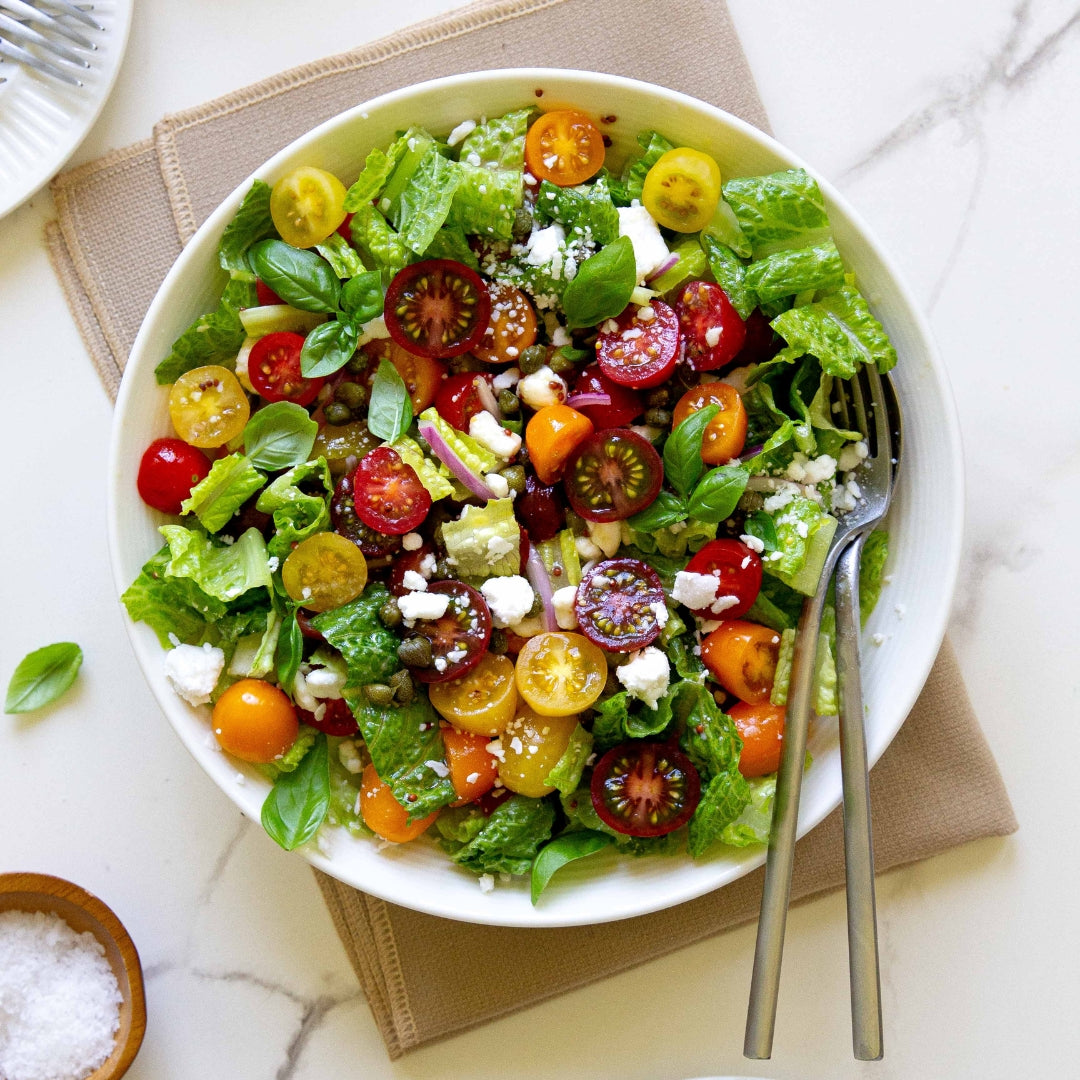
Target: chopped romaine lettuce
[508, 840]
[753, 824]
[372, 179]
[297, 513]
[425, 201]
[341, 256]
[230, 483]
[251, 224]
[875, 553]
[803, 534]
[354, 629]
[786, 273]
[778, 211]
[374, 236]
[629, 187]
[485, 540]
[586, 210]
[566, 775]
[224, 571]
[438, 487]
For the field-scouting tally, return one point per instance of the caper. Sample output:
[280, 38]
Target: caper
[658, 417]
[465, 362]
[389, 612]
[357, 363]
[508, 403]
[443, 568]
[337, 413]
[532, 359]
[560, 364]
[576, 523]
[352, 394]
[523, 222]
[415, 651]
[379, 693]
[401, 682]
[658, 398]
[499, 642]
[514, 475]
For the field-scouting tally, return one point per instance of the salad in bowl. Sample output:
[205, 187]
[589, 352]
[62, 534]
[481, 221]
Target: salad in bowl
[492, 487]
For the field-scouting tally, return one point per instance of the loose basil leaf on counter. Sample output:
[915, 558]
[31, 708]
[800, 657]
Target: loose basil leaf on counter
[362, 296]
[328, 348]
[562, 850]
[279, 436]
[298, 801]
[602, 286]
[300, 278]
[666, 510]
[390, 410]
[682, 452]
[42, 676]
[718, 493]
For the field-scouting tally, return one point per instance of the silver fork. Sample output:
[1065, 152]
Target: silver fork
[27, 31]
[876, 474]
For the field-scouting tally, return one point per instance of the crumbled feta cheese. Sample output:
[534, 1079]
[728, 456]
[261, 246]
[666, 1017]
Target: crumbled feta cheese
[498, 546]
[544, 248]
[560, 337]
[754, 543]
[852, 456]
[414, 581]
[610, 327]
[350, 758]
[529, 627]
[706, 626]
[712, 336]
[439, 768]
[649, 247]
[506, 380]
[510, 599]
[325, 682]
[722, 603]
[820, 469]
[488, 432]
[460, 132]
[412, 541]
[273, 563]
[586, 549]
[193, 671]
[486, 883]
[563, 601]
[423, 605]
[661, 612]
[373, 330]
[498, 484]
[646, 675]
[606, 535]
[696, 591]
[495, 749]
[542, 388]
[428, 564]
[440, 663]
[646, 313]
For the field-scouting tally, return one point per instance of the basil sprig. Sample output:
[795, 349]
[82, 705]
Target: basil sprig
[602, 286]
[298, 801]
[279, 436]
[562, 850]
[300, 278]
[42, 676]
[390, 410]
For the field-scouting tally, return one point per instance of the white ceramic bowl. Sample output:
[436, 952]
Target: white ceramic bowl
[925, 524]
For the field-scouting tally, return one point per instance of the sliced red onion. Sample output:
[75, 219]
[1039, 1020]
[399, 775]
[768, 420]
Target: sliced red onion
[536, 572]
[577, 401]
[445, 453]
[751, 453]
[487, 396]
[663, 268]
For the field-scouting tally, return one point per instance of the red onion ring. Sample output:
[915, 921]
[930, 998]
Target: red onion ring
[576, 401]
[536, 572]
[663, 268]
[445, 453]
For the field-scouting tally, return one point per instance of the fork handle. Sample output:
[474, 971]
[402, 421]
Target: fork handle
[768, 953]
[866, 1034]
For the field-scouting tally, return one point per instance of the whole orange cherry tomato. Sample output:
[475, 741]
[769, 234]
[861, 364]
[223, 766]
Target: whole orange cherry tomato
[552, 435]
[384, 815]
[564, 147]
[725, 434]
[472, 769]
[255, 721]
[742, 658]
[761, 728]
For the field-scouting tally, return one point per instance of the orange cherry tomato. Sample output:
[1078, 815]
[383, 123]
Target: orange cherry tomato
[255, 721]
[422, 375]
[384, 815]
[552, 435]
[511, 328]
[742, 658]
[761, 728]
[565, 147]
[725, 434]
[473, 770]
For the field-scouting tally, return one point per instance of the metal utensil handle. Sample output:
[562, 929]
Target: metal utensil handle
[866, 1033]
[765, 982]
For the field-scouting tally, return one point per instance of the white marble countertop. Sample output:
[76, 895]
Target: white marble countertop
[953, 129]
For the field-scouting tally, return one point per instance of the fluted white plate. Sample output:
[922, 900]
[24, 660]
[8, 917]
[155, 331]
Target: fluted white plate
[925, 523]
[42, 121]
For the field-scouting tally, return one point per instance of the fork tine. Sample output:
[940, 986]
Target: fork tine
[43, 18]
[843, 413]
[74, 11]
[20, 34]
[22, 56]
[862, 419]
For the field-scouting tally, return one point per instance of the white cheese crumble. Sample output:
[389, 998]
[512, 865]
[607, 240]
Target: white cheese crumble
[460, 132]
[428, 564]
[712, 336]
[488, 432]
[754, 543]
[412, 541]
[506, 380]
[542, 388]
[649, 247]
[413, 581]
[544, 248]
[563, 602]
[852, 456]
[498, 484]
[606, 535]
[661, 612]
[193, 671]
[586, 548]
[439, 768]
[560, 337]
[646, 675]
[350, 758]
[509, 598]
[373, 330]
[423, 605]
[486, 883]
[498, 546]
[696, 591]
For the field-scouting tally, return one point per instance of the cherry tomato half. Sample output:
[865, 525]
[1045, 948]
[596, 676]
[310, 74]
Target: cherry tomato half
[725, 434]
[274, 370]
[324, 571]
[343, 445]
[541, 509]
[404, 561]
[640, 350]
[564, 147]
[388, 494]
[482, 700]
[458, 399]
[645, 788]
[761, 728]
[437, 308]
[625, 405]
[384, 815]
[742, 657]
[254, 721]
[459, 639]
[712, 328]
[617, 604]
[559, 674]
[552, 436]
[208, 406]
[532, 745]
[307, 205]
[739, 571]
[473, 771]
[512, 326]
[682, 189]
[422, 375]
[265, 294]
[168, 470]
[347, 523]
[335, 718]
[613, 475]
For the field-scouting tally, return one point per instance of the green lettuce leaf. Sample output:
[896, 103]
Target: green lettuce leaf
[251, 224]
[224, 571]
[425, 201]
[691, 265]
[354, 629]
[341, 256]
[450, 242]
[621, 717]
[476, 541]
[587, 210]
[803, 532]
[786, 273]
[629, 188]
[753, 824]
[305, 740]
[372, 179]
[875, 553]
[730, 274]
[499, 143]
[725, 230]
[824, 689]
[438, 487]
[232, 480]
[566, 775]
[297, 513]
[676, 540]
[778, 211]
[509, 839]
[477, 458]
[376, 238]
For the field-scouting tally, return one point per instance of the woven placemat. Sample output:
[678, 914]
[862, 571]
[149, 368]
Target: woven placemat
[121, 224]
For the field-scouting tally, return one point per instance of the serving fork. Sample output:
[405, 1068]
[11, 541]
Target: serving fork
[863, 403]
[28, 30]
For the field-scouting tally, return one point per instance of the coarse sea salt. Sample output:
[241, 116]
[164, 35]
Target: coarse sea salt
[59, 999]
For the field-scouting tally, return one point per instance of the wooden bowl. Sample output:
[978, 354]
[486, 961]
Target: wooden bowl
[83, 911]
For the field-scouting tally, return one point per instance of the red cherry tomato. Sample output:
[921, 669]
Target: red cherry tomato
[739, 571]
[458, 399]
[404, 561]
[762, 342]
[640, 352]
[459, 639]
[541, 509]
[761, 728]
[421, 375]
[347, 523]
[617, 604]
[645, 788]
[388, 494]
[613, 475]
[274, 370]
[345, 228]
[265, 294]
[169, 469]
[625, 404]
[336, 719]
[712, 328]
[437, 308]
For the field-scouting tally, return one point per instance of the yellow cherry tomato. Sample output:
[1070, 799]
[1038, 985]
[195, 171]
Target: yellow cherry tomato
[324, 571]
[560, 674]
[208, 406]
[483, 700]
[682, 189]
[532, 745]
[254, 721]
[307, 205]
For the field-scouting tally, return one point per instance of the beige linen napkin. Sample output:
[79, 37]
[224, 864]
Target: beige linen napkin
[121, 223]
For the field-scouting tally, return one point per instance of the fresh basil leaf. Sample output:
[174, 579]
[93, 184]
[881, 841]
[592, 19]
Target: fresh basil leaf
[341, 255]
[298, 801]
[328, 348]
[718, 492]
[300, 278]
[682, 452]
[602, 286]
[251, 224]
[763, 527]
[290, 650]
[279, 436]
[362, 296]
[666, 510]
[42, 676]
[390, 410]
[562, 850]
